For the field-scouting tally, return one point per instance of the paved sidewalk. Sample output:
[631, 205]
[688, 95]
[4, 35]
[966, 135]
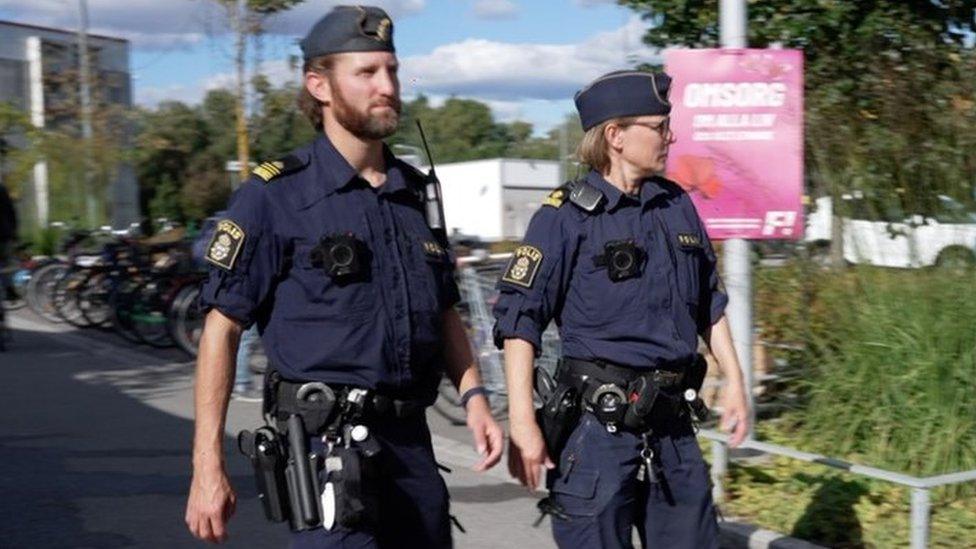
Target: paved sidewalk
[95, 446]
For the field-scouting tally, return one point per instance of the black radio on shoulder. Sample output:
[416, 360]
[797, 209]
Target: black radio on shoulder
[343, 257]
[622, 258]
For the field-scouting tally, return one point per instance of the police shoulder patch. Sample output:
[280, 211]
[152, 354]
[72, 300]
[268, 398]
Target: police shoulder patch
[283, 166]
[225, 245]
[523, 266]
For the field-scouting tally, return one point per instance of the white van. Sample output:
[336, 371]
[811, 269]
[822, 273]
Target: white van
[893, 239]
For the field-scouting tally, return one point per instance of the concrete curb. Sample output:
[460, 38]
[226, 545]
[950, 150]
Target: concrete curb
[739, 535]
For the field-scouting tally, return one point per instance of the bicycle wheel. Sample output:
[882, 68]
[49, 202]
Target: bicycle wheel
[40, 290]
[149, 315]
[121, 302]
[93, 297]
[186, 319]
[66, 297]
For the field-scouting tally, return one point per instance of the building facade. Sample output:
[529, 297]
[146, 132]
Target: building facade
[39, 74]
[493, 200]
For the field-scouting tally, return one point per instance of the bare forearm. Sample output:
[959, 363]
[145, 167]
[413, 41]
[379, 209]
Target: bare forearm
[461, 367]
[519, 359]
[719, 341]
[211, 394]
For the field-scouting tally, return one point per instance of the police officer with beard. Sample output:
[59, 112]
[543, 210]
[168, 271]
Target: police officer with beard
[327, 250]
[620, 260]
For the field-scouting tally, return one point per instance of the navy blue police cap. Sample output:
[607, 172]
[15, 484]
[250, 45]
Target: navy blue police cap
[349, 29]
[623, 93]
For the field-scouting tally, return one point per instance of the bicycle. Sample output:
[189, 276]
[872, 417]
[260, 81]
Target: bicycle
[476, 281]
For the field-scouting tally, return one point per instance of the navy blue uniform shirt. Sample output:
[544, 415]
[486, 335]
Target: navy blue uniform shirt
[383, 332]
[652, 320]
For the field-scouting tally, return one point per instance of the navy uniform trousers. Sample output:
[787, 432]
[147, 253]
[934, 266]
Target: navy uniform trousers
[596, 484]
[413, 498]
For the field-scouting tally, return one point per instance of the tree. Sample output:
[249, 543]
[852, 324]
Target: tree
[889, 90]
[280, 127]
[167, 140]
[880, 75]
[19, 145]
[465, 129]
[247, 18]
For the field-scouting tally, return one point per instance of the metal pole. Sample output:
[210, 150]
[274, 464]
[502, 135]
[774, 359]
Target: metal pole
[920, 518]
[563, 151]
[738, 266]
[720, 466]
[84, 75]
[241, 21]
[35, 75]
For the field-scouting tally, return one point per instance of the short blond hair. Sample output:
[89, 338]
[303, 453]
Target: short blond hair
[593, 149]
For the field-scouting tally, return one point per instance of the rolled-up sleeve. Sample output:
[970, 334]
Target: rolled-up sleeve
[534, 283]
[713, 298]
[241, 273]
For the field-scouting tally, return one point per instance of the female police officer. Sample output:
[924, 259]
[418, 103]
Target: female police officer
[621, 261]
[328, 252]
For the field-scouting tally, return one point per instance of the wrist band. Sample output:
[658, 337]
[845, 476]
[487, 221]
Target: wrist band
[479, 390]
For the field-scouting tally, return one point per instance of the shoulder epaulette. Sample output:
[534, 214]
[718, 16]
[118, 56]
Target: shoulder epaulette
[557, 197]
[584, 195]
[283, 166]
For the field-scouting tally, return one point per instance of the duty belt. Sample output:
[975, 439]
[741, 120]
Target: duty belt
[574, 371]
[625, 397]
[321, 404]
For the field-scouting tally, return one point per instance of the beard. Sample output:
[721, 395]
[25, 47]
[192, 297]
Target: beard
[363, 124]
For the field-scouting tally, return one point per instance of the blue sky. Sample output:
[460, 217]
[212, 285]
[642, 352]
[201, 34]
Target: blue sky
[524, 57]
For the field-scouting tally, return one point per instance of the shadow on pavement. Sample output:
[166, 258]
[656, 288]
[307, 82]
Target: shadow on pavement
[87, 464]
[830, 519]
[490, 493]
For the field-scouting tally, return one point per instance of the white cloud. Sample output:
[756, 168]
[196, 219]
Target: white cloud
[506, 71]
[160, 24]
[495, 9]
[531, 82]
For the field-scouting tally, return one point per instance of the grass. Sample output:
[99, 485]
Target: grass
[889, 380]
[893, 376]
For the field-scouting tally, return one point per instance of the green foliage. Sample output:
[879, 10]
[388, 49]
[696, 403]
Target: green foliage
[166, 201]
[279, 126]
[21, 139]
[834, 509]
[899, 358]
[889, 88]
[459, 130]
[886, 364]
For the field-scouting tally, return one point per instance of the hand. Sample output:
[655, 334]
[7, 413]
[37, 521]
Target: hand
[487, 433]
[527, 453]
[211, 503]
[735, 414]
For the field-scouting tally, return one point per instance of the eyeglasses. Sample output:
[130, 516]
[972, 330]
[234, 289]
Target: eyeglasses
[662, 128]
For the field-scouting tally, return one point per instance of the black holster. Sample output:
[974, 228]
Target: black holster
[265, 450]
[559, 414]
[308, 489]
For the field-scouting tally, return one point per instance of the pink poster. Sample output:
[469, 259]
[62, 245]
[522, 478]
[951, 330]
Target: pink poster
[738, 120]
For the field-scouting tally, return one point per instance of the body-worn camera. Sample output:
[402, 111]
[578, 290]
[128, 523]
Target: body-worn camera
[622, 258]
[343, 257]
